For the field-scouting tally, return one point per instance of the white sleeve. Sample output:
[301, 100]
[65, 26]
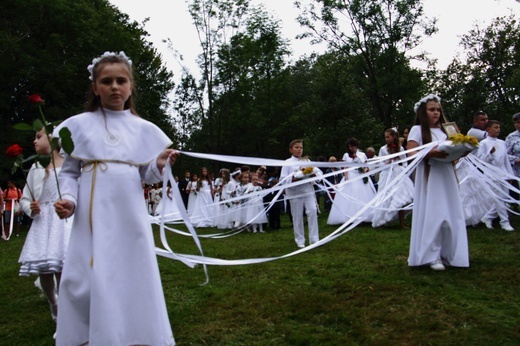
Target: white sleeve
[68, 179]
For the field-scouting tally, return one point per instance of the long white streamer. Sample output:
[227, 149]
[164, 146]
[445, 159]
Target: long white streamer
[493, 178]
[347, 226]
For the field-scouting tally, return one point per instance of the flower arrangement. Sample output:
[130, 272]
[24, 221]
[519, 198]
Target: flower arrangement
[304, 171]
[308, 170]
[463, 139]
[457, 146]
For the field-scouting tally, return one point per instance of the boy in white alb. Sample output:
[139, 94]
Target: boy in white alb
[301, 197]
[494, 151]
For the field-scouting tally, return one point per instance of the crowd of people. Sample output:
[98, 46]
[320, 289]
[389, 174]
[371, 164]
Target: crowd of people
[232, 200]
[91, 243]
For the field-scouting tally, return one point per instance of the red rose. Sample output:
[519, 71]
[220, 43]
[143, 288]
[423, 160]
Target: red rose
[14, 150]
[35, 98]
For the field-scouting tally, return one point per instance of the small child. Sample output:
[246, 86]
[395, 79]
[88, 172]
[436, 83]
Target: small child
[242, 190]
[301, 198]
[255, 211]
[494, 151]
[110, 291]
[43, 252]
[191, 188]
[438, 234]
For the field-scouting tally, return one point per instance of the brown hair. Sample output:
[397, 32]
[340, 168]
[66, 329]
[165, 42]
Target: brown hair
[294, 142]
[422, 119]
[93, 101]
[395, 147]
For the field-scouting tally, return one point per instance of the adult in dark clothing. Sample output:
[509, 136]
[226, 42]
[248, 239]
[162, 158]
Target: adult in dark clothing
[183, 183]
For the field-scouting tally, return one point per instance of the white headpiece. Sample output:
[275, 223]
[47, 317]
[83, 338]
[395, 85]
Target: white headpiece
[430, 97]
[121, 55]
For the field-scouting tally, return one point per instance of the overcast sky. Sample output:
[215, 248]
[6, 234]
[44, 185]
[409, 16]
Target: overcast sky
[170, 19]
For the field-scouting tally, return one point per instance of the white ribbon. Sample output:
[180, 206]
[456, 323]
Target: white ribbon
[491, 175]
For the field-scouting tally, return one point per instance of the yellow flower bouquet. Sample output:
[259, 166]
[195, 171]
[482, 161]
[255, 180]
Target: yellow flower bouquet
[456, 146]
[305, 171]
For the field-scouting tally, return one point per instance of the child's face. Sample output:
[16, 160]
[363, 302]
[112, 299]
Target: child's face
[296, 150]
[493, 130]
[254, 180]
[433, 112]
[244, 178]
[41, 143]
[517, 125]
[113, 85]
[195, 177]
[389, 139]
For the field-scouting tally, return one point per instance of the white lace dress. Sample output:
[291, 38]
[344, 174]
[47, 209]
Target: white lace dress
[47, 240]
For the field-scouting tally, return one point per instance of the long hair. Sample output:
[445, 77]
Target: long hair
[204, 177]
[354, 143]
[421, 119]
[94, 101]
[395, 147]
[226, 175]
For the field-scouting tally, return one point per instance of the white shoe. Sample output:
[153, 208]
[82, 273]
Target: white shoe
[301, 246]
[437, 265]
[506, 227]
[487, 222]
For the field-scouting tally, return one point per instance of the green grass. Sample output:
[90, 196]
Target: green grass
[356, 290]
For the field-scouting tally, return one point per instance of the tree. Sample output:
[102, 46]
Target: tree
[381, 33]
[488, 76]
[45, 47]
[246, 73]
[214, 21]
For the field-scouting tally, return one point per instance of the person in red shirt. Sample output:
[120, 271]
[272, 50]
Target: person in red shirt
[11, 197]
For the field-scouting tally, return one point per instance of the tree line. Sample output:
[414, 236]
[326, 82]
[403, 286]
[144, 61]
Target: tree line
[248, 98]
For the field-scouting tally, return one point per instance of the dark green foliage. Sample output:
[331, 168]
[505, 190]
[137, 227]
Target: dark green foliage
[45, 49]
[489, 80]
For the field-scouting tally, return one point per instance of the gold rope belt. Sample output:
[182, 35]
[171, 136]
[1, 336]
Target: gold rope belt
[92, 166]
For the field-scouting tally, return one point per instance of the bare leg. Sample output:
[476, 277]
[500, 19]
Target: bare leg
[49, 288]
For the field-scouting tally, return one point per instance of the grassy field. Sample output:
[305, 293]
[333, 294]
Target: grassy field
[356, 290]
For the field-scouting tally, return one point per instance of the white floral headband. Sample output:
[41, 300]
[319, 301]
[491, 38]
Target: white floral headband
[430, 97]
[121, 55]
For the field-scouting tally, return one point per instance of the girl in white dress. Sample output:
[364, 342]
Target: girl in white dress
[234, 185]
[352, 195]
[224, 208]
[192, 189]
[398, 194]
[242, 190]
[255, 212]
[217, 188]
[438, 234]
[44, 250]
[110, 291]
[167, 206]
[203, 213]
